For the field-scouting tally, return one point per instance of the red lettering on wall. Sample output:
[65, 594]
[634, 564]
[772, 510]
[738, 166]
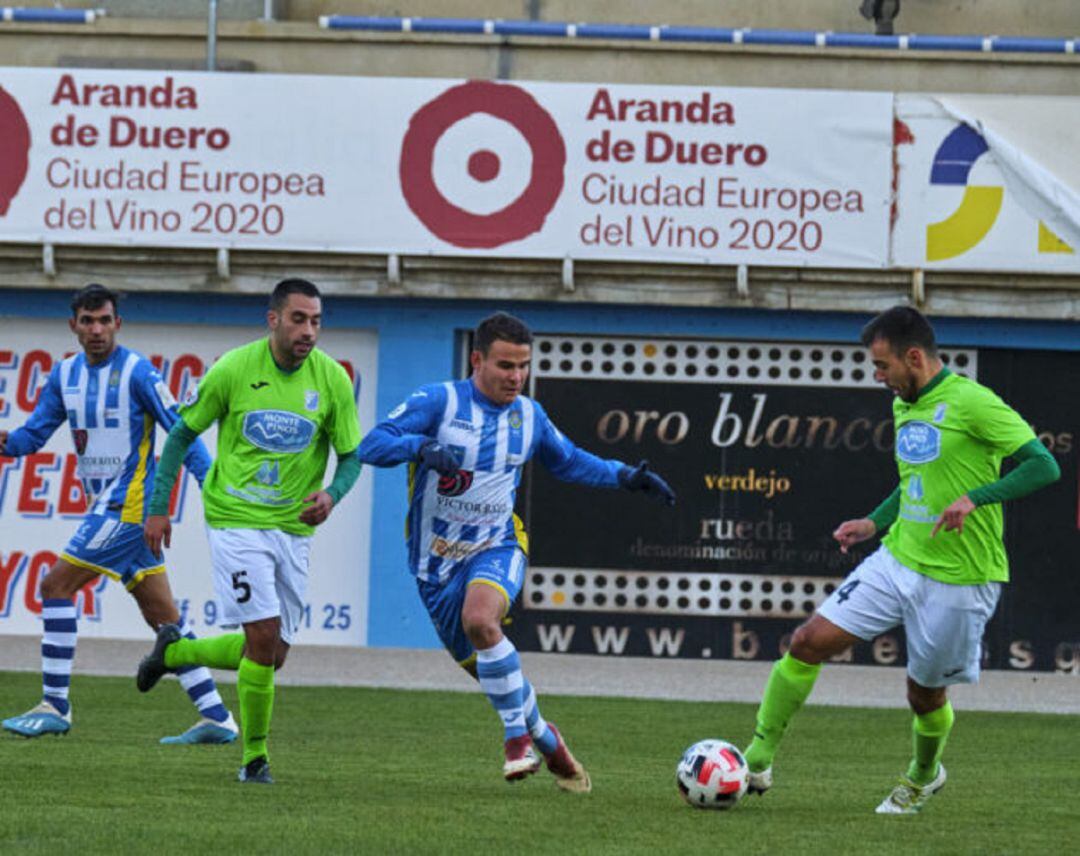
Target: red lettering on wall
[7, 361]
[36, 365]
[186, 369]
[72, 494]
[5, 465]
[10, 568]
[39, 566]
[33, 483]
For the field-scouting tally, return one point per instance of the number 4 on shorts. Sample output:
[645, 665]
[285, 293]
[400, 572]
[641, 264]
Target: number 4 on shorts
[842, 593]
[241, 585]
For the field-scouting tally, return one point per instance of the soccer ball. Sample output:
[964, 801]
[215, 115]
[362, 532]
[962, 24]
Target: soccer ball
[712, 774]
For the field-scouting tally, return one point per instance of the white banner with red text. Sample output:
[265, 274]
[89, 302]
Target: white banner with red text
[42, 500]
[698, 174]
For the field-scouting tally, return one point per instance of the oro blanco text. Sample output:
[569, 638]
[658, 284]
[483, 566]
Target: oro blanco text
[757, 428]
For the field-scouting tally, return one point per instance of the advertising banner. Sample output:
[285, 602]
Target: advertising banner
[769, 446]
[420, 166]
[987, 183]
[42, 500]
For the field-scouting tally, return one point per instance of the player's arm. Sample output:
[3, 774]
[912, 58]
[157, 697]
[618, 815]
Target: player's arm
[204, 404]
[852, 532]
[407, 433]
[1004, 431]
[48, 414]
[1035, 468]
[343, 429]
[157, 400]
[569, 463]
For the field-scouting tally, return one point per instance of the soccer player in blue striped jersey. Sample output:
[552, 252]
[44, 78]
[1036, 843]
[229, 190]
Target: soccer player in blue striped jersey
[112, 399]
[466, 444]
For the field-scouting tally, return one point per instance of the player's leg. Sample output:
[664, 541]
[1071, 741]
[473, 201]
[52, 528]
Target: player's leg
[216, 725]
[789, 685]
[932, 721]
[281, 589]
[498, 669]
[255, 689]
[944, 625]
[59, 634]
[865, 605]
[494, 580]
[244, 568]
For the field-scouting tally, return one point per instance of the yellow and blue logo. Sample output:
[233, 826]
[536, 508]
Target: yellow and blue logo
[980, 206]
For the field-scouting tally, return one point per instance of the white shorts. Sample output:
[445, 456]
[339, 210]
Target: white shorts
[944, 623]
[260, 573]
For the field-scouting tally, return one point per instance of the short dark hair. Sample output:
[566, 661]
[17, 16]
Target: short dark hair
[500, 327]
[902, 327]
[280, 296]
[94, 296]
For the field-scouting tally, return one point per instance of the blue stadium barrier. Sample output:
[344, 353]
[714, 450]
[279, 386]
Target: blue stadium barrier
[786, 38]
[713, 35]
[49, 16]
[716, 35]
[613, 31]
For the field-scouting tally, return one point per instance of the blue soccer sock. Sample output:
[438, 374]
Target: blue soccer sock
[58, 651]
[499, 671]
[541, 733]
[199, 686]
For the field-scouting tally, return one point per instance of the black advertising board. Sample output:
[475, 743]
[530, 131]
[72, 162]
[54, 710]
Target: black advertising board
[769, 445]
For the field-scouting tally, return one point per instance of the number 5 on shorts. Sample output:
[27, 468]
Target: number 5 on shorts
[241, 585]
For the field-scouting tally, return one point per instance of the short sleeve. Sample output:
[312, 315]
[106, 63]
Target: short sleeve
[344, 425]
[208, 400]
[996, 424]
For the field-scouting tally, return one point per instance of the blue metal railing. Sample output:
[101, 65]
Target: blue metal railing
[49, 16]
[715, 35]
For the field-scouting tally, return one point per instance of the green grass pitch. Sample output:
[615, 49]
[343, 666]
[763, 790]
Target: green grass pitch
[387, 771]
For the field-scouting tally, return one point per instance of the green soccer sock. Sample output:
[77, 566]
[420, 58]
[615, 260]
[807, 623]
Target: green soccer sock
[255, 687]
[790, 682]
[217, 652]
[928, 735]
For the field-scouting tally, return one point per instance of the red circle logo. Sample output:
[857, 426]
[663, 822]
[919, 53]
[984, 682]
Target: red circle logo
[522, 217]
[14, 149]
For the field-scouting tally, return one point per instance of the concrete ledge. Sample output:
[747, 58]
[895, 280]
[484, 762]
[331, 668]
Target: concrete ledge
[582, 675]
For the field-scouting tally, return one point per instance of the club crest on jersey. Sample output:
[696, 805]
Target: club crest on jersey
[939, 413]
[80, 436]
[514, 420]
[311, 399]
[278, 431]
[114, 377]
[918, 442]
[456, 484]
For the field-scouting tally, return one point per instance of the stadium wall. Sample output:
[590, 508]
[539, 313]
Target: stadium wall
[421, 341]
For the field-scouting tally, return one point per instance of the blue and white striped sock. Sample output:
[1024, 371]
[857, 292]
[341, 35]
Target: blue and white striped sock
[58, 650]
[199, 686]
[542, 735]
[499, 671]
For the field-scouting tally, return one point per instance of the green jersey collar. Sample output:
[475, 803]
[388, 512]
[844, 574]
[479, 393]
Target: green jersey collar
[935, 381]
[277, 365]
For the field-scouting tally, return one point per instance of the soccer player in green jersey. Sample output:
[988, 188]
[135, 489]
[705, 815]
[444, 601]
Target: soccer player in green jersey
[941, 563]
[280, 404]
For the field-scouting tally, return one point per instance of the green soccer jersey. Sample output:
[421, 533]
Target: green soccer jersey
[948, 442]
[274, 435]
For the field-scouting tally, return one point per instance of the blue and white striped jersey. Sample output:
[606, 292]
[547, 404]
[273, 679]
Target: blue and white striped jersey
[452, 518]
[111, 409]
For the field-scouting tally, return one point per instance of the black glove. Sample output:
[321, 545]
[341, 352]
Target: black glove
[437, 457]
[643, 479]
